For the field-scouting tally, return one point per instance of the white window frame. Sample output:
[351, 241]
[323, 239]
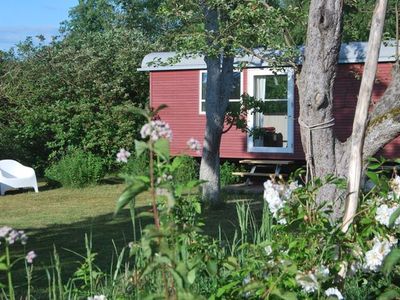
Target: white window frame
[251, 73]
[200, 90]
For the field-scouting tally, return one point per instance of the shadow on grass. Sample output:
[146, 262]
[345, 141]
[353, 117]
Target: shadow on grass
[104, 230]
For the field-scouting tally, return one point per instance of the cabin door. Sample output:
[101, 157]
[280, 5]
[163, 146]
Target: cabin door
[271, 131]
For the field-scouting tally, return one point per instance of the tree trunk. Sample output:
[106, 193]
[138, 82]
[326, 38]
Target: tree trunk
[219, 85]
[316, 93]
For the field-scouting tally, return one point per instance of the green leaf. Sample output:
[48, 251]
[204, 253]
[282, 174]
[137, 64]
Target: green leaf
[140, 147]
[373, 176]
[161, 148]
[140, 111]
[212, 267]
[390, 261]
[130, 193]
[145, 214]
[191, 276]
[158, 109]
[3, 267]
[389, 294]
[374, 166]
[177, 277]
[254, 285]
[193, 183]
[226, 288]
[176, 163]
[284, 295]
[394, 217]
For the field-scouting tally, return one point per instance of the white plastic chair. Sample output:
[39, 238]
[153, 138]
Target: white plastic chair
[14, 175]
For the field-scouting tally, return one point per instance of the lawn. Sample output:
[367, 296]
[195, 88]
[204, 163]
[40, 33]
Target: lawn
[61, 217]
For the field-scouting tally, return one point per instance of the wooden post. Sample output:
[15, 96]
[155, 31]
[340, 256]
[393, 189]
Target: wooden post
[361, 114]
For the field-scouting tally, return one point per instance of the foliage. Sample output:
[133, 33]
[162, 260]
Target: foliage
[226, 176]
[168, 256]
[137, 166]
[357, 20]
[77, 169]
[77, 91]
[188, 170]
[292, 250]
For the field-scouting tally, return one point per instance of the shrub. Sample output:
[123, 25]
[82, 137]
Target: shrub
[188, 169]
[226, 173]
[136, 166]
[77, 169]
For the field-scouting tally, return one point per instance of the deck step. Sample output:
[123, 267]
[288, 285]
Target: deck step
[243, 174]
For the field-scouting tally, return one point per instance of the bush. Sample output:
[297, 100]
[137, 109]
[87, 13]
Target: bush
[188, 170]
[77, 169]
[226, 173]
[136, 166]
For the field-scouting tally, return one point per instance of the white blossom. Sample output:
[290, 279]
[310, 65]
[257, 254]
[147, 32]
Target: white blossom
[395, 185]
[30, 257]
[282, 221]
[383, 214]
[333, 291]
[156, 130]
[307, 281]
[97, 297]
[164, 178]
[194, 145]
[11, 235]
[268, 250]
[375, 256]
[343, 269]
[123, 155]
[323, 271]
[271, 196]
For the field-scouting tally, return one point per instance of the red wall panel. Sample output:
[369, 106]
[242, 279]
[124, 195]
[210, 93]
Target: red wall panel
[180, 91]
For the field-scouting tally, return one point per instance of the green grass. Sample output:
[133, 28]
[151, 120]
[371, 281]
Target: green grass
[61, 217]
[52, 207]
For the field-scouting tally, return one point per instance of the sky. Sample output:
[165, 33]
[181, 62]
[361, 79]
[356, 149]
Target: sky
[22, 18]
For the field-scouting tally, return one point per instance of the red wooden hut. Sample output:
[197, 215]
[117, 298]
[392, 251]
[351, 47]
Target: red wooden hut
[182, 87]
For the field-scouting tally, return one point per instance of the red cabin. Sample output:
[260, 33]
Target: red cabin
[182, 87]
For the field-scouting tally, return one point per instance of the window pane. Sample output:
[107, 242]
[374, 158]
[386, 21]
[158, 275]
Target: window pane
[203, 85]
[276, 87]
[203, 106]
[234, 106]
[235, 92]
[276, 107]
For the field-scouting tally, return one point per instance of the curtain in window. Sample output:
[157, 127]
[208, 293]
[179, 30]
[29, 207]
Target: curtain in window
[259, 93]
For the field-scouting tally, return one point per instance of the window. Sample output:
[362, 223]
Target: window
[272, 131]
[234, 101]
[272, 89]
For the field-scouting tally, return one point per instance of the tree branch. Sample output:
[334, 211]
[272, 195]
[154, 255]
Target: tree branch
[361, 114]
[384, 121]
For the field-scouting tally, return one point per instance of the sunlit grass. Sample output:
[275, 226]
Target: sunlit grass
[21, 209]
[61, 217]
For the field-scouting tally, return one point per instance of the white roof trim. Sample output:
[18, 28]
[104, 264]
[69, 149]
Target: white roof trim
[349, 53]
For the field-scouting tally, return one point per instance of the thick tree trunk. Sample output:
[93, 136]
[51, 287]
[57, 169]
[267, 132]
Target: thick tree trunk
[219, 85]
[316, 93]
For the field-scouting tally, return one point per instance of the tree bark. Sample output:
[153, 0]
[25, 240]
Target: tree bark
[316, 92]
[361, 114]
[219, 84]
